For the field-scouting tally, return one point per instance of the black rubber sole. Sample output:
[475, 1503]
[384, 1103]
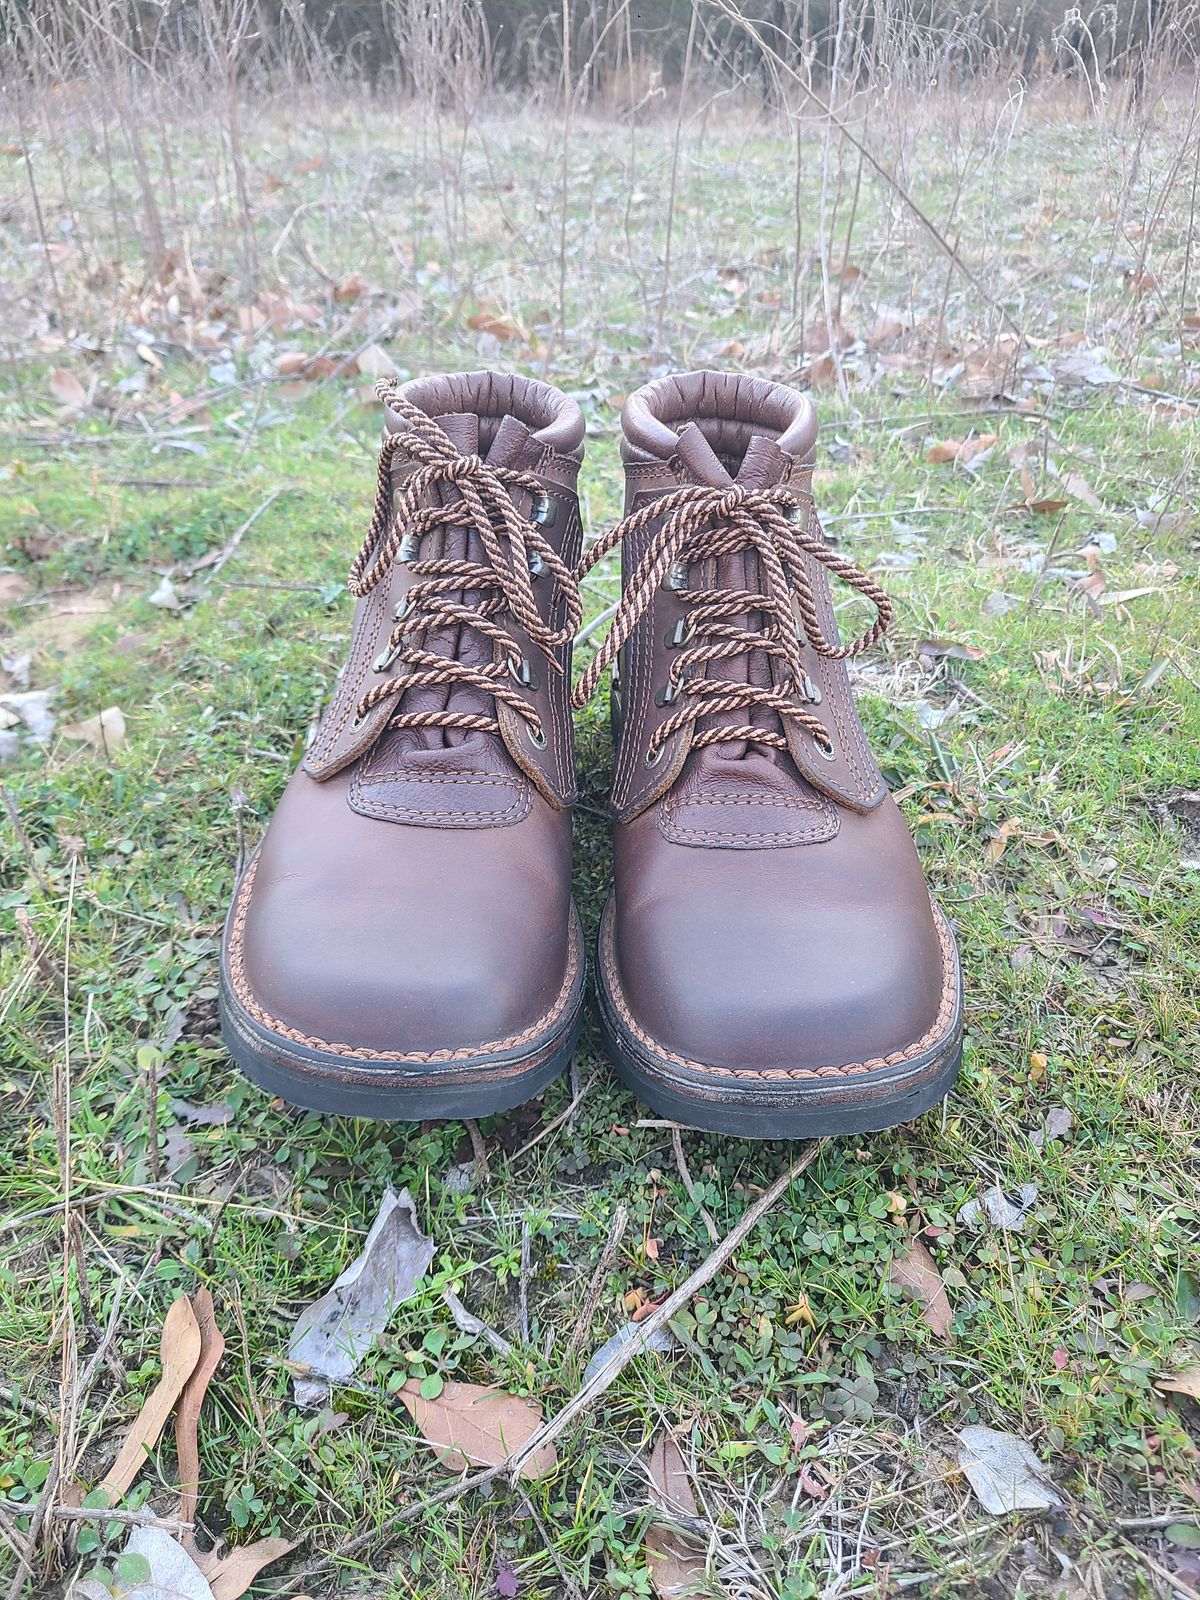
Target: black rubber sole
[475, 1086]
[801, 1109]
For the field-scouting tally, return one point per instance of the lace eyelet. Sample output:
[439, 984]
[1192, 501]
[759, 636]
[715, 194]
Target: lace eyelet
[826, 753]
[410, 547]
[654, 756]
[385, 658]
[794, 512]
[668, 695]
[677, 577]
[540, 511]
[682, 633]
[535, 736]
[356, 724]
[401, 611]
[522, 673]
[811, 693]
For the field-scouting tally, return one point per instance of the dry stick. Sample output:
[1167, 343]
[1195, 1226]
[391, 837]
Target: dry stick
[591, 1300]
[731, 10]
[511, 1466]
[563, 1116]
[218, 561]
[686, 1176]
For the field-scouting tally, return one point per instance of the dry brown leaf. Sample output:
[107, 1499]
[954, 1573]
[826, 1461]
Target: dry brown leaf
[976, 446]
[500, 327]
[917, 1274]
[374, 362]
[1079, 488]
[187, 1416]
[1046, 508]
[945, 451]
[676, 1567]
[13, 587]
[469, 1423]
[1094, 585]
[233, 1575]
[1186, 1382]
[179, 1352]
[67, 389]
[350, 287]
[105, 732]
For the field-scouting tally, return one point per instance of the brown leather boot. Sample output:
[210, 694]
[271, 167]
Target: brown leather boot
[403, 943]
[770, 961]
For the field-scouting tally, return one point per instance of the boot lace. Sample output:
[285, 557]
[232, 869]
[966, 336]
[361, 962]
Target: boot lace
[699, 524]
[517, 553]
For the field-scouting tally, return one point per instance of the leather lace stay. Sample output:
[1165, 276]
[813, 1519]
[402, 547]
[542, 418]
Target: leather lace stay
[516, 551]
[700, 524]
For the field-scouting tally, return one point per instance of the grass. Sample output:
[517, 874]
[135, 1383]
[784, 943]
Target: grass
[1036, 742]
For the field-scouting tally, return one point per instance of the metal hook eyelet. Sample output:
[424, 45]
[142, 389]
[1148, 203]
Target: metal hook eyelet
[795, 512]
[540, 511]
[682, 633]
[676, 577]
[667, 695]
[521, 672]
[826, 752]
[410, 547]
[536, 565]
[386, 657]
[811, 693]
[401, 611]
[536, 737]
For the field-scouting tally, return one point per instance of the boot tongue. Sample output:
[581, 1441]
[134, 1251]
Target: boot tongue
[431, 747]
[513, 445]
[761, 466]
[701, 461]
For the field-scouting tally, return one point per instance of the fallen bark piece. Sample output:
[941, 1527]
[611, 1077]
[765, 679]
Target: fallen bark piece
[333, 1335]
[468, 1424]
[180, 1351]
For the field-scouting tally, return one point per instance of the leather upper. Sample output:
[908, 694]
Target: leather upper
[411, 897]
[769, 912]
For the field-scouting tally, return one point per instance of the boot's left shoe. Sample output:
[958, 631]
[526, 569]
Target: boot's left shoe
[770, 961]
[403, 943]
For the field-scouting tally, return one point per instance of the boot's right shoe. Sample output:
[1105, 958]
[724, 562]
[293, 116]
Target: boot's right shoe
[770, 961]
[403, 943]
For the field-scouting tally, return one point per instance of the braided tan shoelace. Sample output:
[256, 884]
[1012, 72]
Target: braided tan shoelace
[516, 550]
[700, 524]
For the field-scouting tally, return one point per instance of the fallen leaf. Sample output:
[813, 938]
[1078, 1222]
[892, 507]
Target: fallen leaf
[333, 1335]
[350, 287]
[676, 1566]
[67, 389]
[952, 649]
[467, 1423]
[1079, 488]
[233, 1575]
[917, 1275]
[1094, 585]
[374, 362]
[1004, 1472]
[507, 1585]
[1003, 1208]
[500, 327]
[165, 596]
[187, 1415]
[173, 1575]
[32, 710]
[105, 732]
[13, 587]
[660, 1342]
[961, 451]
[1186, 1382]
[179, 1352]
[1058, 1123]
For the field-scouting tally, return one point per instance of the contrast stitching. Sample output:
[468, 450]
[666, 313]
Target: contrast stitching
[936, 1030]
[246, 1000]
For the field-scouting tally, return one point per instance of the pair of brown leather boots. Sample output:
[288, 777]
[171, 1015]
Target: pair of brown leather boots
[404, 944]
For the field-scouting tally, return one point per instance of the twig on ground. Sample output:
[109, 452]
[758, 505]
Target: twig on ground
[14, 816]
[563, 1116]
[478, 1150]
[510, 1467]
[470, 1323]
[686, 1178]
[212, 564]
[587, 1311]
[523, 1289]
